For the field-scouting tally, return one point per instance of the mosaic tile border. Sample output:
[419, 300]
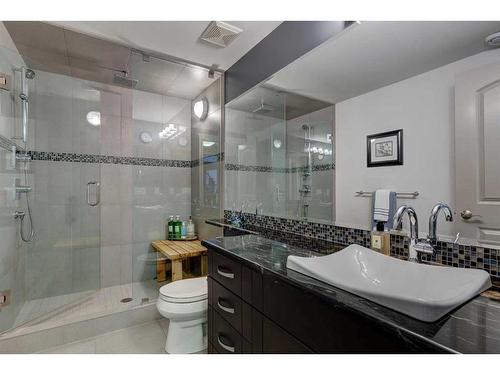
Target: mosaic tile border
[258, 168]
[209, 159]
[453, 255]
[447, 253]
[320, 231]
[107, 159]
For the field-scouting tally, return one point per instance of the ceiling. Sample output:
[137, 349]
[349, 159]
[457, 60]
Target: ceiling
[371, 55]
[275, 102]
[50, 48]
[177, 38]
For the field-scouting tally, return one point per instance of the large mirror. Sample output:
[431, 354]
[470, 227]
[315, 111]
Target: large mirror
[279, 154]
[297, 144]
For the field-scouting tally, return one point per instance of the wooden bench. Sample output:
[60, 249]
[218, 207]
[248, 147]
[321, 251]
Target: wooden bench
[176, 252]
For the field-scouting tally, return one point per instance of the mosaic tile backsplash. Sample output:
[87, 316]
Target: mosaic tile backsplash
[447, 253]
[257, 168]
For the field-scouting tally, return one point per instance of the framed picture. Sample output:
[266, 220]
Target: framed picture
[384, 149]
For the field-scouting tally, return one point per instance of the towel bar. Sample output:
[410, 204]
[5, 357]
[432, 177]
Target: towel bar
[414, 194]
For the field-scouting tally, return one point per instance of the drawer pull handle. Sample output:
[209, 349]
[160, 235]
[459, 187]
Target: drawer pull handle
[229, 348]
[229, 310]
[227, 275]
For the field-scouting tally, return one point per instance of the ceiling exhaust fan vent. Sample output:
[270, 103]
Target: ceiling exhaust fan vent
[220, 34]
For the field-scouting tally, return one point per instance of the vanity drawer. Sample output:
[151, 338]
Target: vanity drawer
[225, 339]
[228, 305]
[227, 272]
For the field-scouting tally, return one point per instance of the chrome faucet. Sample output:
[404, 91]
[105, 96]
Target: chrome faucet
[412, 214]
[433, 219]
[417, 246]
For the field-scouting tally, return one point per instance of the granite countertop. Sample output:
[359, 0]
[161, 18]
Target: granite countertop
[471, 328]
[296, 240]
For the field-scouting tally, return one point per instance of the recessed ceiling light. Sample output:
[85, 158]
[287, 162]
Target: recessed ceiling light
[208, 143]
[171, 131]
[94, 118]
[277, 143]
[200, 109]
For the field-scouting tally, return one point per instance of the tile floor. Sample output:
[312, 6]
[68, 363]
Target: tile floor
[148, 338]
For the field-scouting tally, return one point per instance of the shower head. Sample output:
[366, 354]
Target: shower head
[123, 80]
[30, 74]
[305, 127]
[263, 108]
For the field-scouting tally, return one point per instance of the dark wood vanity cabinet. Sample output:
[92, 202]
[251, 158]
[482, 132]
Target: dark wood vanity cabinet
[255, 311]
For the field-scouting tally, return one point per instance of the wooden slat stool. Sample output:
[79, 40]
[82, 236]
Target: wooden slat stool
[176, 252]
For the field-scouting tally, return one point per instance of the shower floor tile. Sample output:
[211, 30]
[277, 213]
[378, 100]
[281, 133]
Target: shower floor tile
[147, 338]
[69, 308]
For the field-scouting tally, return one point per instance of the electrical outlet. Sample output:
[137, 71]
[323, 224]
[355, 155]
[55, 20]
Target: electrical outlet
[4, 298]
[4, 81]
[376, 242]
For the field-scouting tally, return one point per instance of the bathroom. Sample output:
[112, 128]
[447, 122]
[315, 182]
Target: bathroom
[249, 187]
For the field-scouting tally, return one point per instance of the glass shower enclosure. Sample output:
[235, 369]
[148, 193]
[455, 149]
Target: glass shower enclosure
[108, 158]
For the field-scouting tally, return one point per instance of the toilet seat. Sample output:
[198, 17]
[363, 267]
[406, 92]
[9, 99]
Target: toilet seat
[185, 291]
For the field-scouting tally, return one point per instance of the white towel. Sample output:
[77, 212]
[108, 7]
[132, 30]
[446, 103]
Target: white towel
[381, 205]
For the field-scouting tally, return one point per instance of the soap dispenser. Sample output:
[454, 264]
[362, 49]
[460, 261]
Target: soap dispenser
[190, 228]
[381, 239]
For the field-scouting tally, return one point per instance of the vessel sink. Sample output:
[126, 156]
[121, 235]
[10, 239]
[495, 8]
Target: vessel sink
[424, 292]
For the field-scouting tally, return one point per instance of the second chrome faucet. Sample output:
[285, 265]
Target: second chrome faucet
[421, 246]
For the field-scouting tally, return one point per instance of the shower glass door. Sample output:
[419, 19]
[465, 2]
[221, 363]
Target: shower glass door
[60, 267]
[63, 261]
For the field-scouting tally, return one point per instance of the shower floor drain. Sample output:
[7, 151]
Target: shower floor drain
[126, 300]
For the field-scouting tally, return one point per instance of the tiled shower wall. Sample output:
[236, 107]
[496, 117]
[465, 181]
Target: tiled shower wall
[138, 190]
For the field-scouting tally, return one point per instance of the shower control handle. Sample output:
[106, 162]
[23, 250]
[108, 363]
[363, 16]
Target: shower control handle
[97, 193]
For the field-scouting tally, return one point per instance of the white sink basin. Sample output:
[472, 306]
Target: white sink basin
[422, 291]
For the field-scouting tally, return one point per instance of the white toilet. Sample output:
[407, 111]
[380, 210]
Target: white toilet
[185, 304]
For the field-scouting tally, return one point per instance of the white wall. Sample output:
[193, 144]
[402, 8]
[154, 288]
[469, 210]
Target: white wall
[424, 107]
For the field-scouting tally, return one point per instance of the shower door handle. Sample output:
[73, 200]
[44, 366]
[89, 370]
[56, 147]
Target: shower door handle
[97, 186]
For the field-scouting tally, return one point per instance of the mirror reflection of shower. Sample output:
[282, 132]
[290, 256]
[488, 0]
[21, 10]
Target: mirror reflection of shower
[306, 176]
[24, 159]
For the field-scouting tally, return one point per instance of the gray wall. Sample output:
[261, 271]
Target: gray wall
[286, 43]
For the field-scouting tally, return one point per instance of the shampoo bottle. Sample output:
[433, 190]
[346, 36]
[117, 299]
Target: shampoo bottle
[183, 230]
[177, 227]
[170, 227]
[190, 228]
